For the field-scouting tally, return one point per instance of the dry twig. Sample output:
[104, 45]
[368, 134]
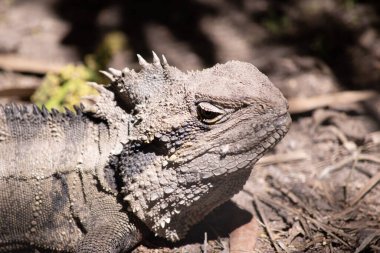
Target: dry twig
[282, 158]
[354, 157]
[333, 232]
[19, 64]
[368, 186]
[266, 223]
[367, 241]
[205, 243]
[299, 105]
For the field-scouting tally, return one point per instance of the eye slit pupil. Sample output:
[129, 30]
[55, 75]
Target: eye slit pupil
[208, 114]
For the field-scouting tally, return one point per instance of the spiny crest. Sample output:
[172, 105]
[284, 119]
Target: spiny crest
[132, 87]
[22, 112]
[115, 74]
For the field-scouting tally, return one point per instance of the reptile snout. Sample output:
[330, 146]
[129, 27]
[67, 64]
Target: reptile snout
[283, 120]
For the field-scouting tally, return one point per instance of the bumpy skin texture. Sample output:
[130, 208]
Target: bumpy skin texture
[158, 147]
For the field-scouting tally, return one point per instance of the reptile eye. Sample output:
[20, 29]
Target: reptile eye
[209, 113]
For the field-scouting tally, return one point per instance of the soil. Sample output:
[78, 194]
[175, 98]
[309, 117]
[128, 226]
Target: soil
[318, 190]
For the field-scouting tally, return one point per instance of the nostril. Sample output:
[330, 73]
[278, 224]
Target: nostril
[283, 119]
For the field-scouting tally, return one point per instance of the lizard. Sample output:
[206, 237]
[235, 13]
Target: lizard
[156, 150]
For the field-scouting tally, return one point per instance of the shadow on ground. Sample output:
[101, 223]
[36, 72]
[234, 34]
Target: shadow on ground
[218, 224]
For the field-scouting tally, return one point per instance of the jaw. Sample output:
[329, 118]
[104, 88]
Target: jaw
[225, 176]
[176, 205]
[200, 201]
[172, 198]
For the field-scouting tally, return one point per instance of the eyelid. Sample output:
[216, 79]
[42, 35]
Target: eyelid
[220, 114]
[210, 108]
[219, 119]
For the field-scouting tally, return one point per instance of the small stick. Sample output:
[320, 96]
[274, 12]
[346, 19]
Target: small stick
[205, 243]
[336, 166]
[368, 186]
[300, 105]
[266, 223]
[371, 158]
[282, 158]
[20, 64]
[367, 241]
[346, 161]
[328, 229]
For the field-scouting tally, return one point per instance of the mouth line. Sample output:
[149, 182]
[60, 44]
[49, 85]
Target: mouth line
[268, 142]
[267, 134]
[252, 155]
[283, 120]
[259, 150]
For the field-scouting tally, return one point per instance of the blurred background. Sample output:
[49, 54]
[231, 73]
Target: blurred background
[306, 47]
[318, 190]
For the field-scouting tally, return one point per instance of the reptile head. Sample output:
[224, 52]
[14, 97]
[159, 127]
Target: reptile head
[194, 138]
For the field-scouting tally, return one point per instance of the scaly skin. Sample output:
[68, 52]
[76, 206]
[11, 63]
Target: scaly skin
[158, 147]
[50, 197]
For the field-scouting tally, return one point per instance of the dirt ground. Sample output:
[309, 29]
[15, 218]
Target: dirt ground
[318, 190]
